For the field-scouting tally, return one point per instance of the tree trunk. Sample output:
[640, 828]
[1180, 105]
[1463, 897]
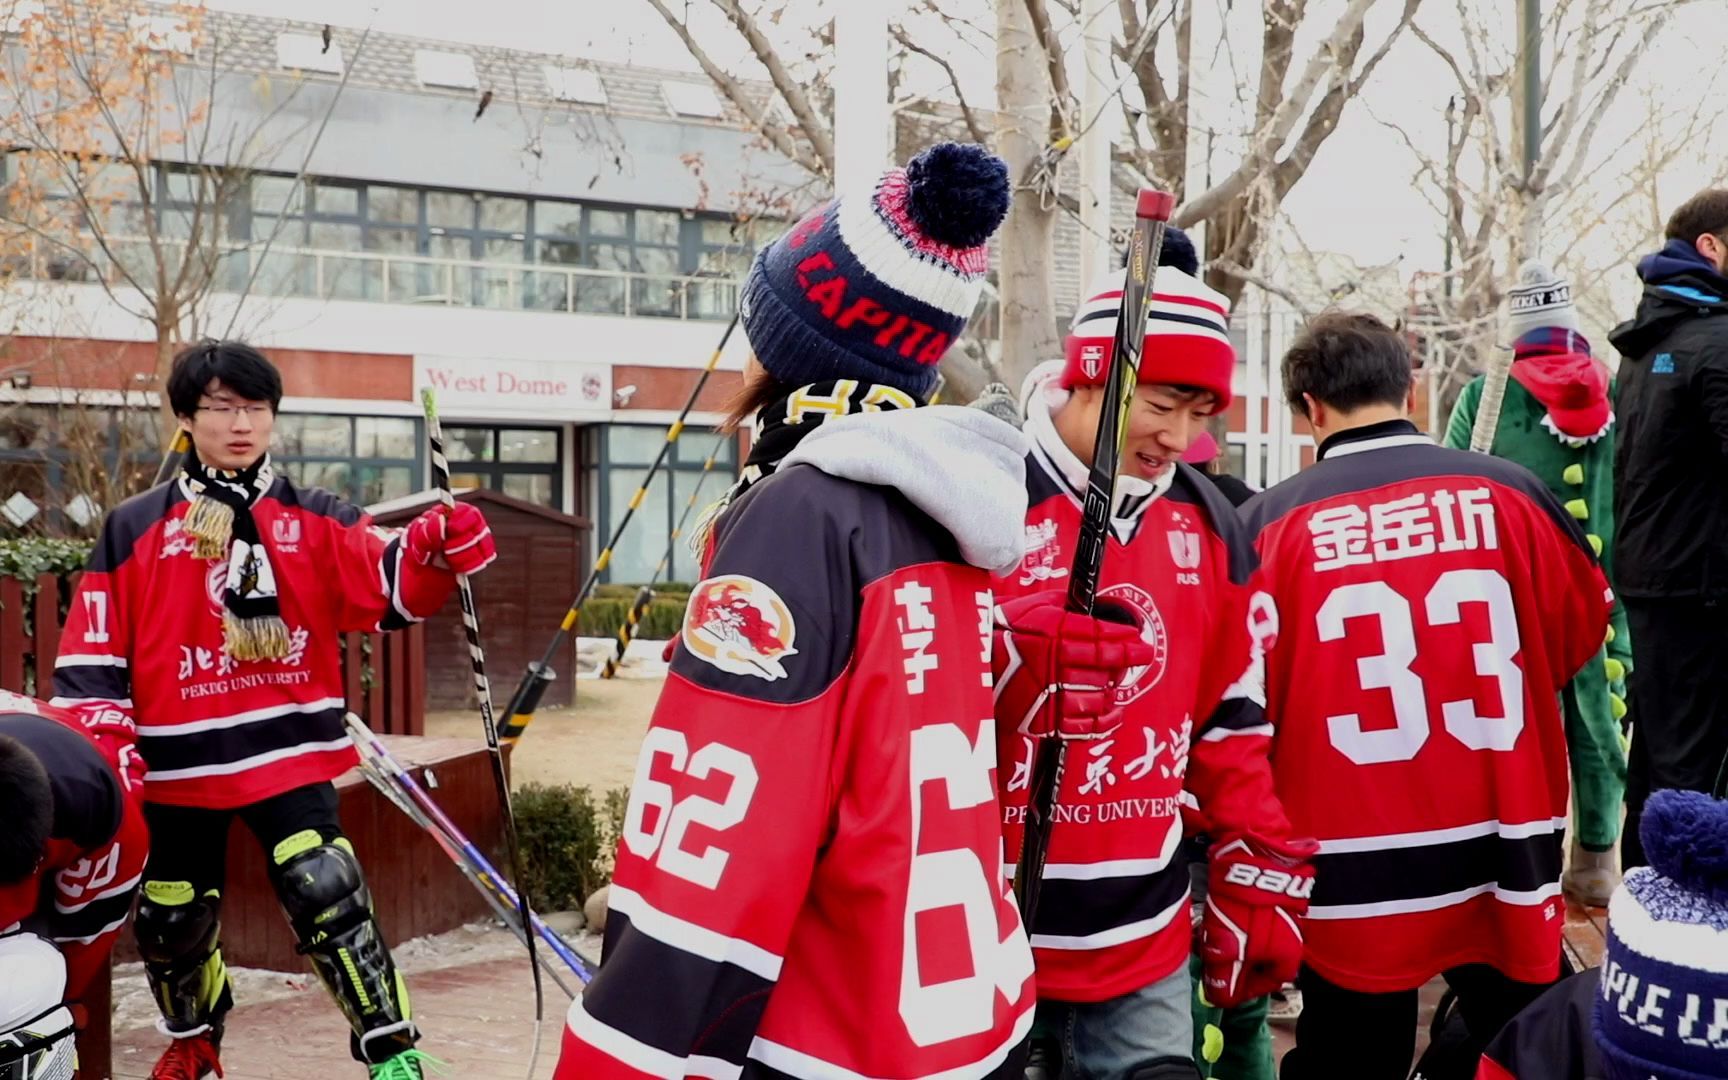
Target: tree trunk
[1028, 236]
[167, 333]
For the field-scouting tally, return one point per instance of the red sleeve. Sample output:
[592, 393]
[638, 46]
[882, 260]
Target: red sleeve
[1230, 768]
[730, 804]
[376, 585]
[93, 897]
[92, 674]
[1575, 596]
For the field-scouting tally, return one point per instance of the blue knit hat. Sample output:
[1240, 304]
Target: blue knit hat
[1663, 1010]
[877, 289]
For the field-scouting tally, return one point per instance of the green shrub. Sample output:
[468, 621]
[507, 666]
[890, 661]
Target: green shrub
[603, 615]
[26, 557]
[567, 838]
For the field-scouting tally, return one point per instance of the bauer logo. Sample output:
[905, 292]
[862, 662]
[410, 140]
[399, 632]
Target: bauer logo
[741, 626]
[1091, 360]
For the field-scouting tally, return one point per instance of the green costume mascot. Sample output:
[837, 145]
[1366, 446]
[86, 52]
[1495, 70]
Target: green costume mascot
[1556, 420]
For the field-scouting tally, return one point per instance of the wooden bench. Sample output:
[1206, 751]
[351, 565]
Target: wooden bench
[416, 889]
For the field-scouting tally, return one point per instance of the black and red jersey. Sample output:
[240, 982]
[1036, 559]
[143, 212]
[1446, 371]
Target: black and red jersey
[1113, 914]
[810, 882]
[144, 638]
[1433, 602]
[81, 893]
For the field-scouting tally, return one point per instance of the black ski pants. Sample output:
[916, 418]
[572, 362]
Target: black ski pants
[1679, 703]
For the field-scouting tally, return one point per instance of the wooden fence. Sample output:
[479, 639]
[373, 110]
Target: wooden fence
[383, 675]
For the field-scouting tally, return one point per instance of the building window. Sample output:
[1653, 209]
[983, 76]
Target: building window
[621, 455]
[524, 462]
[364, 459]
[53, 454]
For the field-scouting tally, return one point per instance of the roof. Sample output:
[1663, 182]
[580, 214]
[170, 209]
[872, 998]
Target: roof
[401, 510]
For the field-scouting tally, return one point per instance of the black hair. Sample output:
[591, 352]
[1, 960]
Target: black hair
[1345, 361]
[27, 808]
[238, 366]
[1705, 212]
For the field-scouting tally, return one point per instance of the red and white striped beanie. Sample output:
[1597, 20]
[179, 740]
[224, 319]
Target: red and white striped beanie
[1186, 339]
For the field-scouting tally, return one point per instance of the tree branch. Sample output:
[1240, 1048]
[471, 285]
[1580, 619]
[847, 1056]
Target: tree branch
[979, 135]
[1061, 96]
[791, 90]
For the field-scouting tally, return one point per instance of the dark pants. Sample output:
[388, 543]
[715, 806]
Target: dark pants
[1347, 1033]
[189, 843]
[1679, 706]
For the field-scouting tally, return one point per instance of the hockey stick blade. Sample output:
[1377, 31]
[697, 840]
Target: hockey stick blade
[1152, 211]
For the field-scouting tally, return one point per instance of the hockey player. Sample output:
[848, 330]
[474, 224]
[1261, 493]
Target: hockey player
[1432, 603]
[810, 881]
[209, 612]
[1557, 422]
[71, 795]
[1113, 934]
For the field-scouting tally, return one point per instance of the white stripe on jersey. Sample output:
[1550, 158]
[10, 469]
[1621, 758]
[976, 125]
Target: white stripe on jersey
[1114, 868]
[88, 660]
[115, 925]
[251, 716]
[81, 702]
[1434, 903]
[229, 767]
[112, 890]
[802, 1065]
[1116, 935]
[642, 1057]
[695, 940]
[1388, 841]
[1383, 443]
[1219, 734]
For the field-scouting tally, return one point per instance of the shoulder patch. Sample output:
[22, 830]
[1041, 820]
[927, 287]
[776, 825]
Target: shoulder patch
[741, 626]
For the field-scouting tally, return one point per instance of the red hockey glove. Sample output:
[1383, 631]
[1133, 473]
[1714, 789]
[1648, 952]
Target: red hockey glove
[1251, 940]
[460, 536]
[1057, 671]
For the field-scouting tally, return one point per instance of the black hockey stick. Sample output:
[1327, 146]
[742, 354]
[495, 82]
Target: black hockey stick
[1151, 212]
[471, 627]
[520, 712]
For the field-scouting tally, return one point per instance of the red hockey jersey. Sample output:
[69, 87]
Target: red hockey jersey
[810, 882]
[1113, 916]
[144, 637]
[1433, 602]
[83, 890]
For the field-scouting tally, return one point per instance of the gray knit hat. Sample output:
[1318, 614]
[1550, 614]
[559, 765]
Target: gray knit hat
[1540, 299]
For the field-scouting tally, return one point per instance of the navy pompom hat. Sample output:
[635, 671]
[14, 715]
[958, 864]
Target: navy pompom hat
[877, 289]
[1663, 1009]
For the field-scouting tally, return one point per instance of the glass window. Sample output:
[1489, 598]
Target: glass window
[385, 203]
[558, 218]
[330, 236]
[634, 563]
[336, 199]
[305, 434]
[460, 480]
[185, 186]
[375, 483]
[401, 274]
[385, 437]
[331, 475]
[529, 444]
[720, 231]
[534, 487]
[658, 226]
[567, 252]
[468, 444]
[503, 215]
[270, 193]
[25, 427]
[634, 442]
[609, 222]
[451, 209]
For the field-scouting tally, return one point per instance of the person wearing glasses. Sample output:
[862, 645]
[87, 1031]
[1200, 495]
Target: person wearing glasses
[208, 616]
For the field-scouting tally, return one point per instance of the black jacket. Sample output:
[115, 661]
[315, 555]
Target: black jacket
[1671, 458]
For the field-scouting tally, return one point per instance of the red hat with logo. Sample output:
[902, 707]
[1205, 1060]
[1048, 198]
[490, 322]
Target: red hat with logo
[1186, 339]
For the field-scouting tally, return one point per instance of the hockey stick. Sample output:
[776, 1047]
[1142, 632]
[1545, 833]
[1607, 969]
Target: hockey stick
[171, 457]
[643, 598]
[1488, 409]
[520, 712]
[1151, 212]
[477, 655]
[399, 786]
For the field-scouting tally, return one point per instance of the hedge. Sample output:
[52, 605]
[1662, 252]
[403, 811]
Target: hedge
[605, 612]
[567, 837]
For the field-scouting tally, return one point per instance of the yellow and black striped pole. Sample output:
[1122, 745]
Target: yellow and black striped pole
[627, 632]
[539, 675]
[171, 457]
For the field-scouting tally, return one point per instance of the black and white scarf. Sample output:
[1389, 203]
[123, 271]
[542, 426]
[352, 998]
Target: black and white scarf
[221, 525]
[781, 425]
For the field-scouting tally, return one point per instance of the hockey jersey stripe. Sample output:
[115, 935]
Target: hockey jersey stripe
[121, 889]
[119, 913]
[1110, 868]
[270, 758]
[1415, 905]
[638, 1010]
[93, 920]
[639, 1055]
[96, 660]
[1507, 865]
[251, 716]
[1091, 913]
[772, 1061]
[319, 722]
[1236, 715]
[690, 938]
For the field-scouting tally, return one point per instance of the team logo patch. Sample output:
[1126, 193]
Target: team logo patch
[1137, 680]
[286, 530]
[740, 626]
[1184, 542]
[1091, 360]
[216, 585]
[1042, 551]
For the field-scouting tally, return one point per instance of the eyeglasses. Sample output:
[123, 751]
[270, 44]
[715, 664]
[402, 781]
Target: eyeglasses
[226, 412]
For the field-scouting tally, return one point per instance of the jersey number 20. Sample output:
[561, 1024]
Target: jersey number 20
[1496, 658]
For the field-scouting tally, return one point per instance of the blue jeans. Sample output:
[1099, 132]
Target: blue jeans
[1108, 1040]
